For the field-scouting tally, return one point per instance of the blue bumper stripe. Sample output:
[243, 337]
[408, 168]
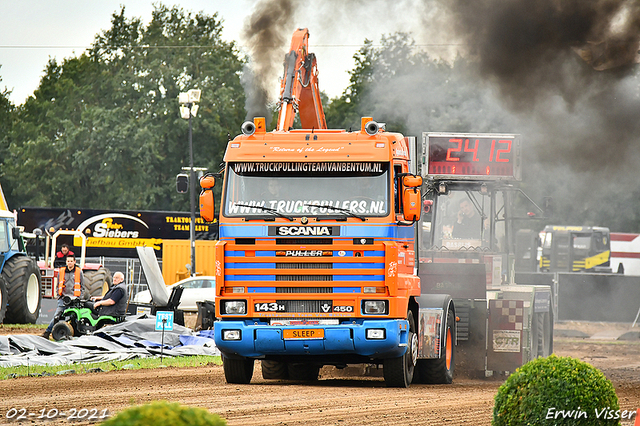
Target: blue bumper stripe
[347, 338]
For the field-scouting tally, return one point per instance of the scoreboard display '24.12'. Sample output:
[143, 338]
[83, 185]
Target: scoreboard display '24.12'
[473, 156]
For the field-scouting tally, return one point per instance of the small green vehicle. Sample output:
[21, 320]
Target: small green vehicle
[79, 319]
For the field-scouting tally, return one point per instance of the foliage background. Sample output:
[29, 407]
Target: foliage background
[103, 129]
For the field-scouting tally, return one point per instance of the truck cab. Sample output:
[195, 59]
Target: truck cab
[575, 249]
[316, 259]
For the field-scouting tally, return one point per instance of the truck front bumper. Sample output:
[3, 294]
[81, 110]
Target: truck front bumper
[375, 338]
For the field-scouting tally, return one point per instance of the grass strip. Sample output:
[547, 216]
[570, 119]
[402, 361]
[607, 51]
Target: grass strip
[130, 364]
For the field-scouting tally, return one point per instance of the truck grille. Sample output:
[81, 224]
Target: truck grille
[311, 290]
[268, 264]
[305, 306]
[304, 265]
[304, 278]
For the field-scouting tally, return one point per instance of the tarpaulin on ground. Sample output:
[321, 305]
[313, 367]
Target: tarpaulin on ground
[136, 337]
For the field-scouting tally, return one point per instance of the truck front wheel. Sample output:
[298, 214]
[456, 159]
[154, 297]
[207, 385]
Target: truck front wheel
[398, 372]
[238, 371]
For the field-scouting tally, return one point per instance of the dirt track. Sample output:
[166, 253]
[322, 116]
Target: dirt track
[331, 401]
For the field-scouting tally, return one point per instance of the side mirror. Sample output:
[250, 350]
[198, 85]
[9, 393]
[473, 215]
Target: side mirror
[207, 210]
[207, 182]
[207, 200]
[412, 181]
[411, 204]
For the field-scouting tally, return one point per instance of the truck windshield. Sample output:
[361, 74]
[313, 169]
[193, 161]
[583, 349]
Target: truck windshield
[462, 220]
[294, 189]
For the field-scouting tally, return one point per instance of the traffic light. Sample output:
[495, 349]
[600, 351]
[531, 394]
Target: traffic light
[182, 183]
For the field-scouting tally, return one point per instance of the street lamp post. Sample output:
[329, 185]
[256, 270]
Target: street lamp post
[188, 109]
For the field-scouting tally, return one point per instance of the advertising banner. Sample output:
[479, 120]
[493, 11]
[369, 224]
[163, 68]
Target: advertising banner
[115, 233]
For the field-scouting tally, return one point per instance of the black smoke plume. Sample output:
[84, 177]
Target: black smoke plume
[265, 36]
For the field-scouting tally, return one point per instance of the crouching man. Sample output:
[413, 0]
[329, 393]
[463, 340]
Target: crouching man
[114, 302]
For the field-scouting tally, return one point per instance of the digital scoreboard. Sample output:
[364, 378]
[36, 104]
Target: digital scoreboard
[472, 156]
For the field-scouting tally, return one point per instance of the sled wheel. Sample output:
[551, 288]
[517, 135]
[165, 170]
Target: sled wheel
[541, 334]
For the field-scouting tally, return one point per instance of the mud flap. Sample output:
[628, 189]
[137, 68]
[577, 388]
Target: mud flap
[431, 317]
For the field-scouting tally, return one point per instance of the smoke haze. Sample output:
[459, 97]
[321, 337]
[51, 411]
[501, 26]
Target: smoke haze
[563, 74]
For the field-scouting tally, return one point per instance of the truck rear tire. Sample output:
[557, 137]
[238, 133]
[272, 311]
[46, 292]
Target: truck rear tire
[398, 372]
[303, 372]
[238, 371]
[22, 278]
[274, 370]
[440, 370]
[98, 282]
[3, 298]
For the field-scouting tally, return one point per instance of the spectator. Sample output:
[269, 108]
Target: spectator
[61, 256]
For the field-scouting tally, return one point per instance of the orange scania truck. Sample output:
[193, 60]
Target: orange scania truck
[317, 260]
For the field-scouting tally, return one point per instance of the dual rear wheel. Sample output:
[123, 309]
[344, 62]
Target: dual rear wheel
[440, 370]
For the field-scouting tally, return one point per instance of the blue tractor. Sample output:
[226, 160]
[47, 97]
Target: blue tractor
[20, 292]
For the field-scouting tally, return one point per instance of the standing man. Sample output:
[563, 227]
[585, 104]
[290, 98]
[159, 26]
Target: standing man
[114, 302]
[70, 283]
[61, 256]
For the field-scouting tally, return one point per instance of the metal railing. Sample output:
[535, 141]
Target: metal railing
[134, 276]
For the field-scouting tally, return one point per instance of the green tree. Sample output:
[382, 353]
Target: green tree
[103, 129]
[7, 113]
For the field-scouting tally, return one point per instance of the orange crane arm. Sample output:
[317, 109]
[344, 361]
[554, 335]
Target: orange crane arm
[299, 87]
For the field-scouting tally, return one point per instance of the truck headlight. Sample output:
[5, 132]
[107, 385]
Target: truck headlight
[231, 335]
[376, 333]
[235, 307]
[374, 307]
